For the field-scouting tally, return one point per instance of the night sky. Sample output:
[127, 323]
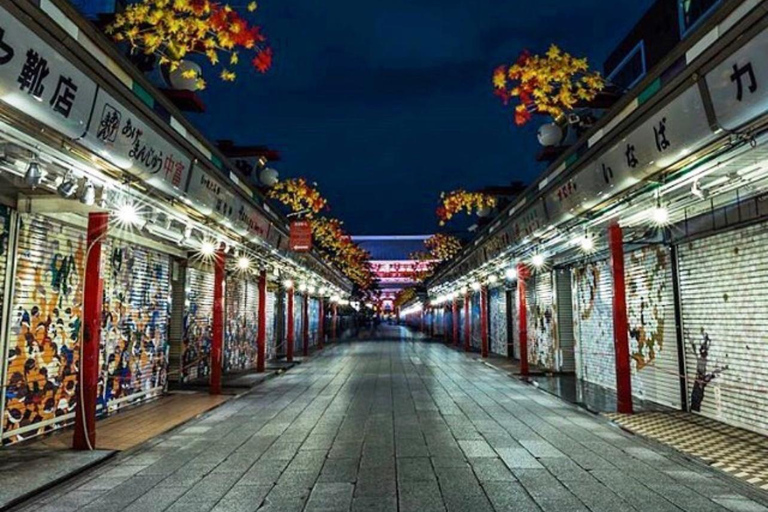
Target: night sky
[385, 104]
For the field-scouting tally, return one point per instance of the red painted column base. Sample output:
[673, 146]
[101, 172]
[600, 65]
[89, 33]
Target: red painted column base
[620, 322]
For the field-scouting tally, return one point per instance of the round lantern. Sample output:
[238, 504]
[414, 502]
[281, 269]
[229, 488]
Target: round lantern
[179, 82]
[484, 211]
[550, 134]
[269, 177]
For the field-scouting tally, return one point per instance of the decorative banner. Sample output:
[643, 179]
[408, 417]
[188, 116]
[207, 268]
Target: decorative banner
[737, 85]
[121, 137]
[40, 82]
[301, 236]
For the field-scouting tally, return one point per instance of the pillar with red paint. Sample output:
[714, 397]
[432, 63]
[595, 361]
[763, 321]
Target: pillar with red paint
[484, 321]
[289, 334]
[305, 324]
[467, 323]
[620, 322]
[522, 313]
[261, 339]
[217, 330]
[88, 377]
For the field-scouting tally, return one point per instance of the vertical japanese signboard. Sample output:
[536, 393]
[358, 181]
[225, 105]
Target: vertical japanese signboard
[40, 82]
[301, 236]
[121, 137]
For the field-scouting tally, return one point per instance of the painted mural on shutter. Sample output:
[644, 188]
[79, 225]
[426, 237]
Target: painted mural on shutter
[475, 313]
[314, 320]
[724, 304]
[516, 322]
[271, 325]
[137, 289]
[652, 331]
[298, 324]
[462, 320]
[198, 312]
[439, 322]
[44, 342]
[497, 298]
[593, 324]
[241, 320]
[542, 329]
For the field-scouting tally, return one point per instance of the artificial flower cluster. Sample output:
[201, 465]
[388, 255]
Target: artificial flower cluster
[174, 29]
[460, 200]
[550, 84]
[443, 247]
[299, 196]
[404, 296]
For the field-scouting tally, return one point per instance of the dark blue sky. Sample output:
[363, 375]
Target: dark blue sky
[385, 104]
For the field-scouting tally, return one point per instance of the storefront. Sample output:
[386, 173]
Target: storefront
[498, 322]
[241, 319]
[541, 316]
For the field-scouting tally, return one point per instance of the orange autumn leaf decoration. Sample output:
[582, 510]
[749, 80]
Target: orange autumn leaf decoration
[299, 196]
[175, 29]
[460, 200]
[549, 84]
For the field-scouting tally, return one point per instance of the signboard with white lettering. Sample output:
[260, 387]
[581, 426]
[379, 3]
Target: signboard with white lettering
[738, 85]
[121, 137]
[38, 81]
[669, 135]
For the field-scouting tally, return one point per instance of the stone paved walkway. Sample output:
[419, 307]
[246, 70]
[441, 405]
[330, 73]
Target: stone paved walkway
[408, 426]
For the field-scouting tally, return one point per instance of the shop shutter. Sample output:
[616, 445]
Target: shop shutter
[298, 324]
[462, 320]
[652, 330]
[725, 320]
[515, 322]
[475, 315]
[314, 311]
[497, 298]
[198, 313]
[439, 322]
[541, 321]
[593, 324]
[272, 341]
[44, 342]
[241, 318]
[565, 337]
[137, 289]
[449, 322]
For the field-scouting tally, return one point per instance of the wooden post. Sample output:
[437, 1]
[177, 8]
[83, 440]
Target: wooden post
[522, 315]
[620, 322]
[484, 321]
[88, 377]
[261, 339]
[217, 334]
[289, 335]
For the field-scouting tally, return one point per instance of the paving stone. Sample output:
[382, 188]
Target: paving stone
[420, 497]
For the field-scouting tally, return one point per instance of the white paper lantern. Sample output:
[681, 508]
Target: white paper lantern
[550, 134]
[179, 82]
[269, 177]
[484, 211]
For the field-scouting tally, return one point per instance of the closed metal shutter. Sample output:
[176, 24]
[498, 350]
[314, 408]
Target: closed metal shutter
[462, 319]
[497, 298]
[272, 341]
[298, 324]
[449, 322]
[439, 322]
[242, 312]
[593, 324]
[137, 289]
[724, 305]
[516, 322]
[198, 317]
[474, 309]
[565, 337]
[44, 344]
[314, 311]
[542, 333]
[652, 330]
[176, 322]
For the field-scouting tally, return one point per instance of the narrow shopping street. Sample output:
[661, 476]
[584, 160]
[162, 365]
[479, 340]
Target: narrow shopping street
[399, 424]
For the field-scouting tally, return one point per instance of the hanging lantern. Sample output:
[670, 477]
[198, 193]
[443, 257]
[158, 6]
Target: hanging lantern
[550, 134]
[186, 76]
[269, 177]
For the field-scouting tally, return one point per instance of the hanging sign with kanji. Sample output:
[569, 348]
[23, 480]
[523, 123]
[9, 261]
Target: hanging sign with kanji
[301, 236]
[40, 82]
[118, 135]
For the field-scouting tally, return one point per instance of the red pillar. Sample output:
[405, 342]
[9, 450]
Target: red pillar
[484, 321]
[289, 334]
[455, 321]
[467, 324]
[219, 275]
[305, 324]
[333, 320]
[261, 340]
[321, 321]
[88, 377]
[522, 315]
[620, 323]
